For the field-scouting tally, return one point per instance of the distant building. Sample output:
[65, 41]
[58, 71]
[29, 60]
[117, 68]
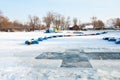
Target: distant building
[75, 27]
[88, 27]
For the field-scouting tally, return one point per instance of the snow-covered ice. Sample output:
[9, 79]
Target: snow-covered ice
[17, 60]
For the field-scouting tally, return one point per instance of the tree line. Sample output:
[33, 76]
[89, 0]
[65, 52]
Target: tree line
[55, 20]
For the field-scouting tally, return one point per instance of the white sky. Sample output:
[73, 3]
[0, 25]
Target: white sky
[82, 9]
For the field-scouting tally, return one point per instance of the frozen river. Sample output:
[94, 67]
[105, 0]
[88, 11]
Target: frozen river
[64, 58]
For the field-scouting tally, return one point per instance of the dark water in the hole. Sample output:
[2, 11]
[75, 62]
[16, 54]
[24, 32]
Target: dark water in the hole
[75, 58]
[104, 55]
[69, 59]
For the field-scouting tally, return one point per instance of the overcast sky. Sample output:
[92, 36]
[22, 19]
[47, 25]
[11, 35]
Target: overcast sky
[82, 9]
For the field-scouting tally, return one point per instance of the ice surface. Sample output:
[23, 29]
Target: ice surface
[17, 60]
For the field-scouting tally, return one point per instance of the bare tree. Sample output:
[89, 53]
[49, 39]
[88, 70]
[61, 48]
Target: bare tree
[48, 19]
[67, 23]
[16, 23]
[62, 24]
[97, 24]
[75, 21]
[4, 23]
[80, 25]
[117, 22]
[34, 22]
[100, 24]
[57, 20]
[94, 20]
